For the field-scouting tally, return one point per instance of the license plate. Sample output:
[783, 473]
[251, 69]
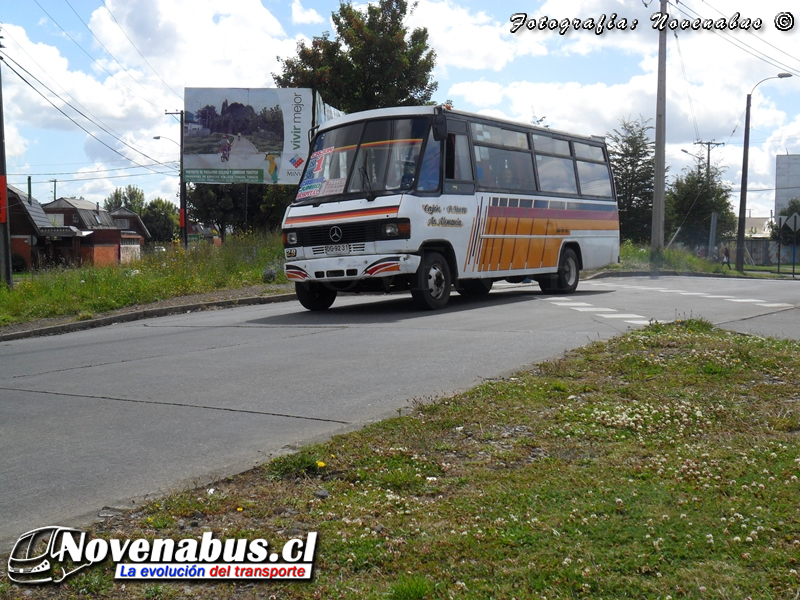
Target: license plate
[337, 249]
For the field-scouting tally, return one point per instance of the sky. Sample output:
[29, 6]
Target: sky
[87, 84]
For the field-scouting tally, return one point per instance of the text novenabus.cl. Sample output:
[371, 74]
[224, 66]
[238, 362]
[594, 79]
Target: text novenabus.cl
[51, 554]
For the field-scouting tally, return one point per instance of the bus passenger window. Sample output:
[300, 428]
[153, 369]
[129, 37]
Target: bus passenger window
[457, 160]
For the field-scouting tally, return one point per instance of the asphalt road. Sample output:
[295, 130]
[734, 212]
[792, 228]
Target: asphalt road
[106, 416]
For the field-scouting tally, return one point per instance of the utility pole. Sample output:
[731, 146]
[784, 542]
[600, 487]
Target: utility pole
[5, 226]
[743, 191]
[55, 181]
[708, 146]
[182, 211]
[657, 233]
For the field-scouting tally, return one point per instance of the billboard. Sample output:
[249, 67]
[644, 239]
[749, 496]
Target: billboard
[249, 135]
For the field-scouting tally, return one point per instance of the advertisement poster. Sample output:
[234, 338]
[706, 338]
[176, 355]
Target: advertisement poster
[246, 135]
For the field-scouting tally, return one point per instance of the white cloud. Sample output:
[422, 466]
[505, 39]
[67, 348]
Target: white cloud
[304, 16]
[579, 81]
[463, 39]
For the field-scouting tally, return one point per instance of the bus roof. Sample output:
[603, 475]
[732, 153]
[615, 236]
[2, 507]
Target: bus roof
[410, 111]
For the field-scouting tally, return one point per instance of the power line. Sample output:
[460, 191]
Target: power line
[688, 88]
[120, 140]
[127, 71]
[171, 165]
[71, 97]
[740, 44]
[104, 177]
[110, 74]
[763, 41]
[140, 54]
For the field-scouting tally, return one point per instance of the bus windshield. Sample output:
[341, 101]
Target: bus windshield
[367, 159]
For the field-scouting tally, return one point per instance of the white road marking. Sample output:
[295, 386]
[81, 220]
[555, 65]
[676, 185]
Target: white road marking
[571, 303]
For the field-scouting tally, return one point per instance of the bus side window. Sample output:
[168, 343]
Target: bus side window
[457, 160]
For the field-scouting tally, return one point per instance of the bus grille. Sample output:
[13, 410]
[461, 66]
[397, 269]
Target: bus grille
[320, 235]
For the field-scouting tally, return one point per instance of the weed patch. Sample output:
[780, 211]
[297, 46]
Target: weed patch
[663, 463]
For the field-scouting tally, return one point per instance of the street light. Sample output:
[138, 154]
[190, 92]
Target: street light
[700, 158]
[743, 192]
[183, 225]
[161, 137]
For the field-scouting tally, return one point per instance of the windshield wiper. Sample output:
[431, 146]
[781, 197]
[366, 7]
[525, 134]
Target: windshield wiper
[366, 183]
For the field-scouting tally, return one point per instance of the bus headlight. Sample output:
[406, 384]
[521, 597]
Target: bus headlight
[290, 238]
[400, 229]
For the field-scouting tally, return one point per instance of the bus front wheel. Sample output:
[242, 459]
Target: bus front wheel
[433, 281]
[314, 296]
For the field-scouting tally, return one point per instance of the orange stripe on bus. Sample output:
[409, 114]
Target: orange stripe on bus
[507, 250]
[388, 211]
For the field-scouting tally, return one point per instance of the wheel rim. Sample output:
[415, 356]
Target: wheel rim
[436, 281]
[570, 271]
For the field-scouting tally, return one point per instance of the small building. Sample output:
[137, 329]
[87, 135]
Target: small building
[34, 238]
[757, 227]
[787, 180]
[26, 220]
[100, 239]
[133, 234]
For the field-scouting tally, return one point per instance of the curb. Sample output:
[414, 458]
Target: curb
[657, 274]
[149, 313]
[146, 313]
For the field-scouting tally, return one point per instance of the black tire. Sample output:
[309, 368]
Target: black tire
[474, 287]
[431, 290]
[314, 296]
[547, 283]
[566, 280]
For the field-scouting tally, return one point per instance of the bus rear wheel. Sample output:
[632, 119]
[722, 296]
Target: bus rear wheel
[431, 290]
[314, 296]
[566, 280]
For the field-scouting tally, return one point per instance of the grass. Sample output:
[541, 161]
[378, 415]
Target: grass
[84, 292]
[661, 464]
[637, 258]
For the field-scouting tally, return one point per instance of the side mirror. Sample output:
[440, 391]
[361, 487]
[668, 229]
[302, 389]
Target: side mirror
[439, 125]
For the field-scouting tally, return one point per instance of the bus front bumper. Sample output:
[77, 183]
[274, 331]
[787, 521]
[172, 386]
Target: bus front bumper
[344, 268]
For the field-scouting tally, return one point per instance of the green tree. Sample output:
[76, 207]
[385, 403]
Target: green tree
[786, 235]
[212, 205]
[632, 156]
[130, 197]
[239, 207]
[691, 199]
[373, 62]
[161, 219]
